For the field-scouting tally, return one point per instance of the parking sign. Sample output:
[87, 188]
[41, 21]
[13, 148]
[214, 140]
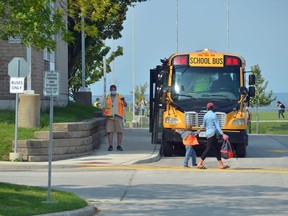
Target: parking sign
[51, 84]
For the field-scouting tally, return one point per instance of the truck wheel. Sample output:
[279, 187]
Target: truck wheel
[167, 149]
[241, 150]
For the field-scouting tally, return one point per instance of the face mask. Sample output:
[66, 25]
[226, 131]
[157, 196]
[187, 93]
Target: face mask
[113, 92]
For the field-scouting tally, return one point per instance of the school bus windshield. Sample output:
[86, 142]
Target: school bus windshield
[199, 82]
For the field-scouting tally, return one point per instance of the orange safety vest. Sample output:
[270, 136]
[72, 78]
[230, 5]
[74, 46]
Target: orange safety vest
[109, 105]
[191, 140]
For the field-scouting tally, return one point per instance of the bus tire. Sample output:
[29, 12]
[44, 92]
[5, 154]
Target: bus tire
[241, 150]
[167, 149]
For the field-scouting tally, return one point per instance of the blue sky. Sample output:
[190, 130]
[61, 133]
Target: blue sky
[258, 30]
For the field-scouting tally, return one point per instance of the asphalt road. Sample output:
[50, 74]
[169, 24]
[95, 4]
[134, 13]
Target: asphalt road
[255, 185]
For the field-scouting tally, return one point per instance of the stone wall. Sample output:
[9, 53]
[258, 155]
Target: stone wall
[69, 140]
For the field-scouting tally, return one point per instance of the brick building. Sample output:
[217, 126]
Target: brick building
[41, 61]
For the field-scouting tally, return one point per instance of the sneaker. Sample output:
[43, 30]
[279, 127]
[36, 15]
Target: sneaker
[110, 148]
[195, 164]
[185, 165]
[119, 148]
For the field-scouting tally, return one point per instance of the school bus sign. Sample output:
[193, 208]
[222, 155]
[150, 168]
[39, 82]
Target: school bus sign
[212, 60]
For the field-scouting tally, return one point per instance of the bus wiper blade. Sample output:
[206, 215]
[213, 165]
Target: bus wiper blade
[222, 96]
[186, 95]
[206, 95]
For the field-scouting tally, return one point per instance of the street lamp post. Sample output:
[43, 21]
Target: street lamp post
[176, 25]
[133, 65]
[228, 19]
[83, 54]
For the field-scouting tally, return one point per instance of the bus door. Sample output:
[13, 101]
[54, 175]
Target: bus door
[156, 105]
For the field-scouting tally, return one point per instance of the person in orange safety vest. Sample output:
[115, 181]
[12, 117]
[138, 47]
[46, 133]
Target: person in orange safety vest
[113, 109]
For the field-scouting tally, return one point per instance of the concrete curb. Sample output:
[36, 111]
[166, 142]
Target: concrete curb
[87, 211]
[155, 156]
[145, 158]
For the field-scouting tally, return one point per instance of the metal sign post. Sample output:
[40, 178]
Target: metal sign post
[16, 86]
[50, 147]
[51, 89]
[17, 70]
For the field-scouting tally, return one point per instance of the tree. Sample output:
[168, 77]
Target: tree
[140, 92]
[37, 24]
[34, 22]
[261, 98]
[103, 20]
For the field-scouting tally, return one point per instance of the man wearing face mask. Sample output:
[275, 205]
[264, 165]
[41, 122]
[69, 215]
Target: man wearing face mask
[113, 109]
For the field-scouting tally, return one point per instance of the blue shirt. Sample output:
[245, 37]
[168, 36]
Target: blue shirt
[211, 123]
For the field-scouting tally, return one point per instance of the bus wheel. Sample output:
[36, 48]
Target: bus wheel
[241, 149]
[167, 149]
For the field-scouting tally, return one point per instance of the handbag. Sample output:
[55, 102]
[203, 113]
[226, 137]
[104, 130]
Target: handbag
[227, 150]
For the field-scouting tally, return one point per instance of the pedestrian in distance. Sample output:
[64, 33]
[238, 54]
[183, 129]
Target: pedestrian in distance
[281, 109]
[113, 109]
[189, 139]
[137, 108]
[212, 125]
[97, 103]
[143, 105]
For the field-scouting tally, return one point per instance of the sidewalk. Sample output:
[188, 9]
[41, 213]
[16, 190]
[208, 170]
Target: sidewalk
[137, 149]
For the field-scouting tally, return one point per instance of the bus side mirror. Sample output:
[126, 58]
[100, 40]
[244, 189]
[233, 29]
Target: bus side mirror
[162, 74]
[251, 79]
[167, 89]
[252, 91]
[160, 91]
[243, 91]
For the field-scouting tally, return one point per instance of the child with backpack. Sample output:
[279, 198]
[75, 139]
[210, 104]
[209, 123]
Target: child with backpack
[189, 139]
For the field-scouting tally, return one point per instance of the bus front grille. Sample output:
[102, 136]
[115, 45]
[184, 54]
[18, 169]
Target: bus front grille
[195, 119]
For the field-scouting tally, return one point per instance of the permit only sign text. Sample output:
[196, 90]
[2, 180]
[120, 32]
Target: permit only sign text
[17, 84]
[51, 84]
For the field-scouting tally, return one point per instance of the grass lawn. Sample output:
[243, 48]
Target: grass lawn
[26, 200]
[266, 115]
[73, 112]
[271, 128]
[276, 126]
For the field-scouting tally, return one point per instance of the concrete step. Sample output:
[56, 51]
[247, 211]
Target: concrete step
[67, 134]
[79, 126]
[77, 138]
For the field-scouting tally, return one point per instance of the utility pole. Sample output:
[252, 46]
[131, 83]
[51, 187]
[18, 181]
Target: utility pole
[83, 53]
[133, 64]
[176, 25]
[228, 3]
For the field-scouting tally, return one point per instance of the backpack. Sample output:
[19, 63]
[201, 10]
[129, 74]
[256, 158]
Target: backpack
[227, 150]
[190, 140]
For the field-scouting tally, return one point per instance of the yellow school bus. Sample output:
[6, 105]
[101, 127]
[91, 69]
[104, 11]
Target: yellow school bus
[184, 83]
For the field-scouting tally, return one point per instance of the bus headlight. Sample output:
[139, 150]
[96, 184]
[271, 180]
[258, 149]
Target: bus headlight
[239, 122]
[170, 120]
